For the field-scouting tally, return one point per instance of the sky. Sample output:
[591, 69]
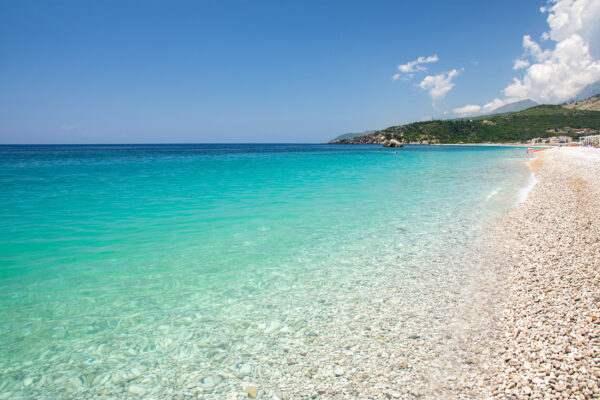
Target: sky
[279, 71]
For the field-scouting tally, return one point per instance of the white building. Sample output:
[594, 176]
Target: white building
[592, 140]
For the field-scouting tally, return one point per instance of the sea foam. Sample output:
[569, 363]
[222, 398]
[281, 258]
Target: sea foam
[525, 190]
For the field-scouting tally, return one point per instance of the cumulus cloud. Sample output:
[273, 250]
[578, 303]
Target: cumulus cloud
[569, 63]
[416, 65]
[496, 103]
[472, 109]
[438, 85]
[519, 64]
[469, 109]
[580, 17]
[558, 74]
[531, 48]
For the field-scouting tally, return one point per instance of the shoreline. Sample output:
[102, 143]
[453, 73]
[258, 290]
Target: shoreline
[548, 247]
[481, 144]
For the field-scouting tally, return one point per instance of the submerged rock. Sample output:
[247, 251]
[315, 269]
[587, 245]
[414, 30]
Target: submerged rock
[273, 326]
[211, 381]
[244, 370]
[136, 389]
[252, 391]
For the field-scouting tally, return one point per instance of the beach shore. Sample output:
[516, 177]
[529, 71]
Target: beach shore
[482, 144]
[549, 245]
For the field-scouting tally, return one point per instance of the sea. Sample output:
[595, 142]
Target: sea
[202, 270]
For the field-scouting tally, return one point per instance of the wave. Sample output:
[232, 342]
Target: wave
[525, 190]
[493, 193]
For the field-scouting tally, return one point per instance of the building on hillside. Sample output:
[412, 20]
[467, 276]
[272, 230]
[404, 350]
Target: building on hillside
[552, 140]
[560, 139]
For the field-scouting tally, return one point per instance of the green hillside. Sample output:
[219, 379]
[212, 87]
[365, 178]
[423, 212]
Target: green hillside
[352, 135]
[514, 127]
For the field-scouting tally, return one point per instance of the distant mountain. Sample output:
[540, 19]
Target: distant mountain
[514, 107]
[351, 135]
[588, 91]
[592, 103]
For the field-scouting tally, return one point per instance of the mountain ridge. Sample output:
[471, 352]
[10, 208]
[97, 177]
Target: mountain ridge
[591, 103]
[513, 107]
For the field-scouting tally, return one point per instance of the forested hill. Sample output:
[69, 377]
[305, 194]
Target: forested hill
[519, 126]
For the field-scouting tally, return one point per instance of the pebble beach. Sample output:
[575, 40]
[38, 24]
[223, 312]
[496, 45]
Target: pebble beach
[548, 249]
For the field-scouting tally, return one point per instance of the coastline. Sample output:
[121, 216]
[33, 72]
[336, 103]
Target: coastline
[548, 249]
[482, 144]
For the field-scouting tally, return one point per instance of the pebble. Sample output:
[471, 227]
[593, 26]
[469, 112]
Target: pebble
[252, 391]
[211, 381]
[551, 246]
[273, 326]
[244, 370]
[136, 389]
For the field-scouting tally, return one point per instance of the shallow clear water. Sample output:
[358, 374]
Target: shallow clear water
[184, 258]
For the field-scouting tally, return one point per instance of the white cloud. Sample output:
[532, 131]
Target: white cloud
[519, 64]
[531, 47]
[560, 73]
[469, 109]
[414, 66]
[439, 85]
[496, 103]
[66, 128]
[580, 17]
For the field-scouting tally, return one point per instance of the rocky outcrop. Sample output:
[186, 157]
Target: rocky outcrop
[392, 143]
[386, 140]
[592, 103]
[371, 138]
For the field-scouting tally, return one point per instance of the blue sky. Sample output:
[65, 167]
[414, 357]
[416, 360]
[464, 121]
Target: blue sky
[268, 71]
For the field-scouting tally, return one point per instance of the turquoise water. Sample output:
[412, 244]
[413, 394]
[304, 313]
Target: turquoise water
[164, 257]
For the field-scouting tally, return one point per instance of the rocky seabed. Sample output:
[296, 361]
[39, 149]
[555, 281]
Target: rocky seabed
[394, 330]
